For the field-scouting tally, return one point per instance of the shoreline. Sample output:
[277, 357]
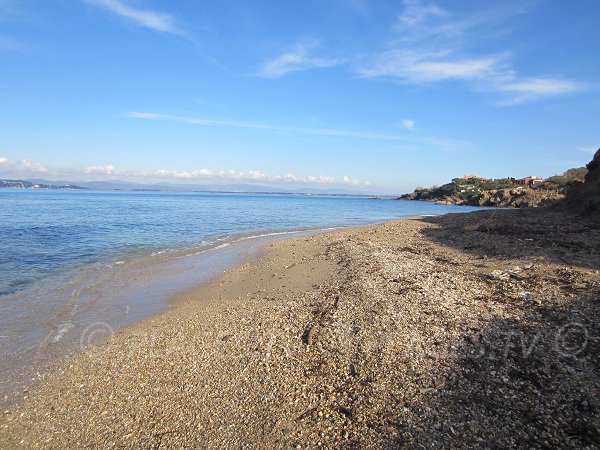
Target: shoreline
[351, 337]
[127, 301]
[160, 279]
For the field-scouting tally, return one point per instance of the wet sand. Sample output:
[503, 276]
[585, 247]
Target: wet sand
[471, 330]
[62, 315]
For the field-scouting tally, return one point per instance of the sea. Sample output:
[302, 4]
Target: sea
[76, 265]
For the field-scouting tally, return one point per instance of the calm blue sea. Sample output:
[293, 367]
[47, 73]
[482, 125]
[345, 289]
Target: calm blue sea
[43, 232]
[71, 259]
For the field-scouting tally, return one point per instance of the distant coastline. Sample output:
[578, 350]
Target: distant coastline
[128, 186]
[22, 184]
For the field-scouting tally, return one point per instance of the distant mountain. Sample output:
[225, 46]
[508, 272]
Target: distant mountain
[24, 184]
[121, 185]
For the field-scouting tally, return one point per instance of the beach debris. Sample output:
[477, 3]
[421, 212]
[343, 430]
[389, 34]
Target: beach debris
[505, 275]
[499, 275]
[310, 334]
[352, 369]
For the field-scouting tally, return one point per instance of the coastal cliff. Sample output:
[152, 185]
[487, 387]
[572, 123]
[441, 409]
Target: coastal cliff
[584, 198]
[530, 192]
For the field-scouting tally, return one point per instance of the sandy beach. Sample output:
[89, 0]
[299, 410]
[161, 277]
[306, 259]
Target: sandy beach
[475, 330]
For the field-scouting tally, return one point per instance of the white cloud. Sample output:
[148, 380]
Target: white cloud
[295, 59]
[154, 20]
[531, 88]
[408, 124]
[424, 67]
[346, 180]
[202, 175]
[100, 170]
[22, 167]
[198, 173]
[256, 176]
[321, 179]
[591, 149]
[432, 45]
[416, 12]
[32, 166]
[441, 143]
[259, 126]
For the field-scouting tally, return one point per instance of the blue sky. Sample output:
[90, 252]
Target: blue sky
[372, 95]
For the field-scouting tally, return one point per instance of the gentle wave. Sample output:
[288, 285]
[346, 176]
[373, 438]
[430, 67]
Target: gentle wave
[71, 259]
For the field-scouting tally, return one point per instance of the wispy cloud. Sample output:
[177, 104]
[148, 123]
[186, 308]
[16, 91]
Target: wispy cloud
[408, 124]
[295, 59]
[432, 45]
[155, 20]
[532, 88]
[415, 142]
[8, 44]
[589, 149]
[259, 126]
[425, 67]
[415, 13]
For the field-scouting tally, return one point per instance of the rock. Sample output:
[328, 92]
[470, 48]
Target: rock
[345, 411]
[532, 414]
[587, 404]
[584, 198]
[499, 275]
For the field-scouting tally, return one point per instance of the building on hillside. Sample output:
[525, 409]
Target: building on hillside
[530, 181]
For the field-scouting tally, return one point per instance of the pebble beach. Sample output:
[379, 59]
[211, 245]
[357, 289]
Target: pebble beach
[476, 330]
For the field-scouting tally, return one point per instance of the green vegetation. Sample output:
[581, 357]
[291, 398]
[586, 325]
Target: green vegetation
[566, 180]
[472, 190]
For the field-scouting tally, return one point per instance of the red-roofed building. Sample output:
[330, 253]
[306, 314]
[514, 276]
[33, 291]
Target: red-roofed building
[530, 181]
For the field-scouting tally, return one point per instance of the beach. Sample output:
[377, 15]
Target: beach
[472, 330]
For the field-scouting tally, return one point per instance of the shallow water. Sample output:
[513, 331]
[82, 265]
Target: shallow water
[76, 265]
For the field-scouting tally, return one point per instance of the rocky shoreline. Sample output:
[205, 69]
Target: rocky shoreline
[471, 330]
[531, 192]
[518, 197]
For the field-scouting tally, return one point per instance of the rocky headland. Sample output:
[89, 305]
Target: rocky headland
[530, 192]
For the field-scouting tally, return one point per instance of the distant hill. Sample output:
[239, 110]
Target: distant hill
[504, 192]
[121, 185]
[23, 184]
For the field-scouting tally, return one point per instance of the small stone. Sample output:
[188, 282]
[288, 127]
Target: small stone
[532, 414]
[352, 369]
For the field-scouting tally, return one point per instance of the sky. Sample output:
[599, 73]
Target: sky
[378, 96]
